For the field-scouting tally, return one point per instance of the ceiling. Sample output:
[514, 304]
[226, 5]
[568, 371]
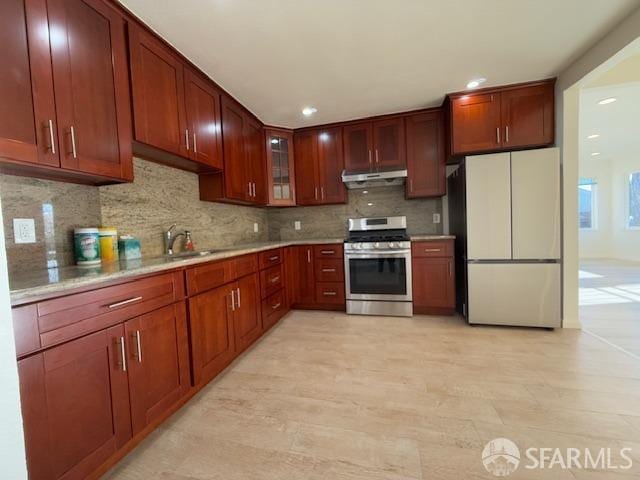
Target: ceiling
[357, 58]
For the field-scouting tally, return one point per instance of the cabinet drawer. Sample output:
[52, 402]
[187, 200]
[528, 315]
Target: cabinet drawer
[271, 280]
[209, 276]
[329, 270]
[328, 251]
[67, 317]
[331, 293]
[435, 248]
[244, 265]
[270, 258]
[273, 308]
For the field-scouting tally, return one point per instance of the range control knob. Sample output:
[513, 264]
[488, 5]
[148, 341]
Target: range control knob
[376, 245]
[393, 245]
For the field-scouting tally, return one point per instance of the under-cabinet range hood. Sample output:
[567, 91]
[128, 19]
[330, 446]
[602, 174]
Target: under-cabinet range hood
[373, 179]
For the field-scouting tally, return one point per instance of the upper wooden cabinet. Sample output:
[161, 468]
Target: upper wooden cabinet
[376, 145]
[505, 118]
[319, 164]
[255, 160]
[280, 167]
[426, 160]
[175, 109]
[66, 103]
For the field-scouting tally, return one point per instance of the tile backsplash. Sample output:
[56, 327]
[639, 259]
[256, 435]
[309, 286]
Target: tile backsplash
[160, 196]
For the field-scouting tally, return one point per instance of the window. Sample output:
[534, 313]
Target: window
[634, 200]
[587, 191]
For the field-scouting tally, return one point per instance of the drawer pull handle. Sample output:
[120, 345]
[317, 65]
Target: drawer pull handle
[327, 252]
[123, 354]
[328, 270]
[276, 306]
[432, 249]
[275, 279]
[329, 294]
[274, 258]
[138, 347]
[124, 302]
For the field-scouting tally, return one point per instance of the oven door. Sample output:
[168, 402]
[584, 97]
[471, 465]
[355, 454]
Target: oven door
[378, 276]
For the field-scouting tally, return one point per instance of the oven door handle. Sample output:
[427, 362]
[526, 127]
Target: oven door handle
[379, 254]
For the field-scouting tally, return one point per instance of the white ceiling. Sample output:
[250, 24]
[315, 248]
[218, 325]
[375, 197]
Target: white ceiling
[356, 58]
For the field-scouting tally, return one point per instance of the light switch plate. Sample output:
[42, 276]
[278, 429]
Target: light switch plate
[297, 225]
[436, 218]
[24, 230]
[256, 228]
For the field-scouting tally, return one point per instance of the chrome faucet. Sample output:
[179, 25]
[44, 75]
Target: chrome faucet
[170, 239]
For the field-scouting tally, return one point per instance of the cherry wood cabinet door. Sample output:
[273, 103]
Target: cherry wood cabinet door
[300, 275]
[75, 405]
[306, 162]
[236, 172]
[91, 80]
[426, 161]
[157, 80]
[28, 123]
[280, 167]
[358, 147]
[389, 149]
[331, 166]
[527, 116]
[203, 117]
[433, 282]
[247, 315]
[158, 357]
[475, 123]
[255, 159]
[211, 331]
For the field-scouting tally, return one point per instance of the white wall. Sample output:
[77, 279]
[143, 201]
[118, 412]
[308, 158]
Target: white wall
[12, 455]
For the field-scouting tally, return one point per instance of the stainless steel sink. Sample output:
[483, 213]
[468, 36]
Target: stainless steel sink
[183, 255]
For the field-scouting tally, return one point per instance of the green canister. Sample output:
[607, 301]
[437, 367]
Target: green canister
[86, 246]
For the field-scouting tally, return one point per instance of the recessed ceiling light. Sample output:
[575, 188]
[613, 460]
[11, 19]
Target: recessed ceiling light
[595, 154]
[606, 101]
[306, 111]
[476, 82]
[593, 135]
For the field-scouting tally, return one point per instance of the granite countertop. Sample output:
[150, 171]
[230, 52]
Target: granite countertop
[57, 281]
[29, 285]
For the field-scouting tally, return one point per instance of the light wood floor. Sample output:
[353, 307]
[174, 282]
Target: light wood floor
[328, 396]
[610, 301]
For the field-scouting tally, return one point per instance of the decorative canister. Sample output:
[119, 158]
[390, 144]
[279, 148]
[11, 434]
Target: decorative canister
[86, 246]
[129, 247]
[108, 244]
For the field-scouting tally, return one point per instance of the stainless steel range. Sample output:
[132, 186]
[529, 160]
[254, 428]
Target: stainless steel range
[377, 257]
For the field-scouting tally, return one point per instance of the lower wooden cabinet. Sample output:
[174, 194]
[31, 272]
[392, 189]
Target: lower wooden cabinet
[299, 264]
[433, 272]
[247, 311]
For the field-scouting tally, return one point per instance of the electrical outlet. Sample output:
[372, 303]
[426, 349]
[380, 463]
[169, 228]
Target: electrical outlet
[24, 230]
[297, 225]
[436, 218]
[256, 228]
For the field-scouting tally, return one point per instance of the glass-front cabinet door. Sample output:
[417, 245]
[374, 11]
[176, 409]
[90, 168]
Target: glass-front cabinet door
[280, 167]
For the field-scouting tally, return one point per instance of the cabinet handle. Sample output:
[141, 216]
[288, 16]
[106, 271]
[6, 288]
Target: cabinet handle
[329, 294]
[124, 302]
[138, 347]
[274, 258]
[308, 256]
[450, 270]
[316, 193]
[370, 162]
[411, 184]
[254, 189]
[322, 192]
[432, 249]
[328, 270]
[506, 134]
[186, 137]
[52, 138]
[275, 279]
[74, 152]
[498, 135]
[327, 252]
[238, 297]
[123, 355]
[233, 300]
[277, 305]
[249, 187]
[195, 145]
[377, 156]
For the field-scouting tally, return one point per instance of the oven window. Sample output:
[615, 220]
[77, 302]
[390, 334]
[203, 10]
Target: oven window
[384, 276]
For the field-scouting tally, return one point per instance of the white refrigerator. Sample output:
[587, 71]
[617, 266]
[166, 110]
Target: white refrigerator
[508, 237]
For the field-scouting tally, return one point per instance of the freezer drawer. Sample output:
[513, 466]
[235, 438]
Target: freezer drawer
[520, 294]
